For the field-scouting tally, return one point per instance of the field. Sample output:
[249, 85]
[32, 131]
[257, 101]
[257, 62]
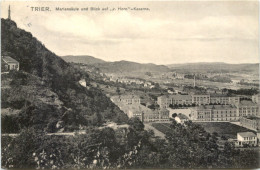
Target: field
[222, 128]
[162, 127]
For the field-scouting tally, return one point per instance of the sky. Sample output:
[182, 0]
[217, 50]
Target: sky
[170, 32]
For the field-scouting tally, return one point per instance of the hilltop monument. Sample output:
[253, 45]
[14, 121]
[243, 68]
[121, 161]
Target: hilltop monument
[9, 13]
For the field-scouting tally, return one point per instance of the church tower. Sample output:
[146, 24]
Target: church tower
[9, 13]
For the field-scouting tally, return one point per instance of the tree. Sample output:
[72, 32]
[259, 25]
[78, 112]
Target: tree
[9, 124]
[148, 74]
[174, 115]
[136, 124]
[118, 90]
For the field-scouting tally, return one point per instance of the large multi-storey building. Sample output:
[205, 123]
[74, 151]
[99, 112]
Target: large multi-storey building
[247, 108]
[135, 111]
[223, 99]
[225, 112]
[166, 100]
[200, 99]
[250, 122]
[145, 114]
[160, 115]
[126, 99]
[215, 113]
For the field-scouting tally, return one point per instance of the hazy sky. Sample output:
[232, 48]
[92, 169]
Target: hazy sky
[170, 32]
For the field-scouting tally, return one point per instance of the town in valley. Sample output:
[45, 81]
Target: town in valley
[156, 98]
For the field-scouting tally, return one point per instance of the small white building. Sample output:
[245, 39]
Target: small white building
[246, 138]
[83, 82]
[10, 63]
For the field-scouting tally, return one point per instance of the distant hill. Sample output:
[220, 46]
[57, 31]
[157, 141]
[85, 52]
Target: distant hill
[215, 67]
[84, 59]
[117, 66]
[127, 66]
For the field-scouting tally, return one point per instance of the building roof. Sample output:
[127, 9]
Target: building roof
[176, 97]
[246, 134]
[163, 97]
[181, 97]
[125, 97]
[217, 95]
[8, 59]
[200, 94]
[163, 110]
[134, 108]
[221, 95]
[247, 103]
[252, 118]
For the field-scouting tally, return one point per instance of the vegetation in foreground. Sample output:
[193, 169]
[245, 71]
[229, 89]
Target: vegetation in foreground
[186, 146]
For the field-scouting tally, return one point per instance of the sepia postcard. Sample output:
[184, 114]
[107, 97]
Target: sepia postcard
[130, 84]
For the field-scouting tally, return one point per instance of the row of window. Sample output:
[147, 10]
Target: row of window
[225, 111]
[245, 111]
[216, 112]
[217, 119]
[150, 120]
[249, 138]
[206, 116]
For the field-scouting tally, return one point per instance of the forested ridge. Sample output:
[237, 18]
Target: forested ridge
[78, 105]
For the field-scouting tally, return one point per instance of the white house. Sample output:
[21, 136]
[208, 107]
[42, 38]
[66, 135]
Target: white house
[246, 138]
[10, 63]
